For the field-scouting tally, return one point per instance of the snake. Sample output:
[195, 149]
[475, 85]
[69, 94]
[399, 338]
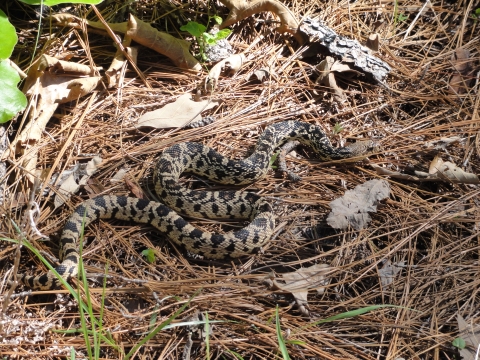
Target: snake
[198, 159]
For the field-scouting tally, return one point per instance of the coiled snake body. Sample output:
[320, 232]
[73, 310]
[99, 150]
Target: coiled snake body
[201, 160]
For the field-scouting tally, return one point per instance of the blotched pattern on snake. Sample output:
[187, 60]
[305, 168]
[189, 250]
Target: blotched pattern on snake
[204, 161]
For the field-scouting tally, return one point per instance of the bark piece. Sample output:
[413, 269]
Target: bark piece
[350, 50]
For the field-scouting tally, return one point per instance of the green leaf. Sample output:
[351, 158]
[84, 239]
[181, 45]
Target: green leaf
[150, 255]
[9, 37]
[281, 340]
[477, 12]
[295, 342]
[402, 17]
[459, 343]
[350, 314]
[222, 34]
[273, 159]
[12, 100]
[160, 327]
[217, 19]
[209, 39]
[56, 2]
[194, 28]
[237, 355]
[337, 128]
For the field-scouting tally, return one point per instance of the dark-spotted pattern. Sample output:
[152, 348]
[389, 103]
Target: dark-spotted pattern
[201, 160]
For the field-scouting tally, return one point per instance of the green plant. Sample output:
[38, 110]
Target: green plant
[163, 325]
[338, 128]
[397, 17]
[281, 340]
[476, 14]
[95, 329]
[459, 343]
[207, 337]
[96, 332]
[402, 17]
[149, 255]
[202, 37]
[273, 159]
[350, 314]
[12, 100]
[56, 2]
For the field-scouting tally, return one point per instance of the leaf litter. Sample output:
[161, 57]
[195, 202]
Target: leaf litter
[430, 226]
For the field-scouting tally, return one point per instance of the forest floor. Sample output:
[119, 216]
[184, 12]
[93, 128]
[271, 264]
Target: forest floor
[406, 285]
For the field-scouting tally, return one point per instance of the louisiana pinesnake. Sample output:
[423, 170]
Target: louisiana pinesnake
[201, 160]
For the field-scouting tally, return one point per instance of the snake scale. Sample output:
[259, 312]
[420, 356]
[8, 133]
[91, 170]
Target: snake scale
[201, 160]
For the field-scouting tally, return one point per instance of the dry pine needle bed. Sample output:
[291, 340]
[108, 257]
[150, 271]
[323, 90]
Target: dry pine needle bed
[401, 281]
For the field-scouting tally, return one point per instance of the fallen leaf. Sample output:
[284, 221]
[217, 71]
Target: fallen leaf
[135, 189]
[327, 69]
[116, 71]
[388, 271]
[71, 180]
[50, 82]
[298, 283]
[177, 114]
[463, 75]
[241, 9]
[177, 50]
[229, 65]
[445, 170]
[471, 336]
[373, 42]
[353, 207]
[439, 171]
[260, 74]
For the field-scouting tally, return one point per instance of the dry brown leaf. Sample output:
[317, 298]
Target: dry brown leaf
[327, 78]
[327, 69]
[353, 207]
[177, 114]
[298, 283]
[230, 65]
[71, 180]
[135, 189]
[439, 171]
[50, 82]
[69, 186]
[445, 170]
[373, 42]
[117, 68]
[395, 174]
[389, 271]
[177, 50]
[464, 74]
[444, 142]
[261, 74]
[241, 9]
[471, 336]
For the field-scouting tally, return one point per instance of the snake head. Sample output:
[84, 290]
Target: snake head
[364, 147]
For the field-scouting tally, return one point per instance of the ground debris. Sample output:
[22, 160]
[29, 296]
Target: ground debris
[350, 51]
